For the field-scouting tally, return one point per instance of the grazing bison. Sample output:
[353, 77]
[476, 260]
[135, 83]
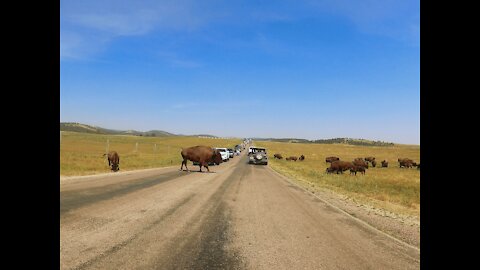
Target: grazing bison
[408, 163]
[113, 160]
[294, 158]
[374, 163]
[356, 169]
[331, 159]
[302, 157]
[341, 166]
[404, 159]
[360, 162]
[384, 164]
[369, 159]
[279, 156]
[201, 154]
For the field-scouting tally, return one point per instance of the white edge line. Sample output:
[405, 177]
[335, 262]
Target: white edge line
[346, 213]
[75, 177]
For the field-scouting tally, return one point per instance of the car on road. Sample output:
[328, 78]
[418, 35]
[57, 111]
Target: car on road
[230, 152]
[257, 155]
[224, 152]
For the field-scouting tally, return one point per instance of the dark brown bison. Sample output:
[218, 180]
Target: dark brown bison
[341, 166]
[406, 163]
[384, 164]
[374, 163]
[369, 159]
[302, 157]
[331, 159]
[113, 160]
[404, 159]
[360, 162]
[279, 156]
[294, 158]
[201, 154]
[329, 170]
[356, 169]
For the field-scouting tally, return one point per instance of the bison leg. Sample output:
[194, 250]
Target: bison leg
[184, 162]
[181, 167]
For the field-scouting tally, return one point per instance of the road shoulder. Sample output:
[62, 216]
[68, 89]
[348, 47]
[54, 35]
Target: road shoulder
[401, 227]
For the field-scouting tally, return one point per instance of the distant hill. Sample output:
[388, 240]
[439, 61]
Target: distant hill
[354, 142]
[350, 141]
[78, 127]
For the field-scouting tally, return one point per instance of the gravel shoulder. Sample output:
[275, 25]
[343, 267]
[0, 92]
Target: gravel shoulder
[403, 227]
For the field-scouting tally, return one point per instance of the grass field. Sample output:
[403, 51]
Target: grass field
[393, 188]
[81, 153]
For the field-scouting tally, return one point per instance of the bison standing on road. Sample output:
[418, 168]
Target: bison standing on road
[113, 160]
[331, 159]
[279, 156]
[201, 154]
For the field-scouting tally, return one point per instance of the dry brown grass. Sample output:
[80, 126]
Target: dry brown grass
[393, 188]
[81, 153]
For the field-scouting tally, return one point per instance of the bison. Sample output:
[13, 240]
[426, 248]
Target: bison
[341, 166]
[384, 164]
[279, 156]
[360, 162]
[406, 162]
[329, 170]
[302, 157]
[113, 160]
[369, 159]
[374, 163]
[356, 169]
[294, 158]
[331, 159]
[201, 154]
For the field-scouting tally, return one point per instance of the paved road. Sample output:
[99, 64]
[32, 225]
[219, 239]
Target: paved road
[240, 216]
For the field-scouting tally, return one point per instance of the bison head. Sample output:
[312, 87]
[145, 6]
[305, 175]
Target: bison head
[217, 157]
[115, 167]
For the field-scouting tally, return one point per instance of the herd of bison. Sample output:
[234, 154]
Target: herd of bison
[205, 154]
[357, 165]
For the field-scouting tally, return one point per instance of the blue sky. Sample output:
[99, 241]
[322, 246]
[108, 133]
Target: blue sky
[305, 69]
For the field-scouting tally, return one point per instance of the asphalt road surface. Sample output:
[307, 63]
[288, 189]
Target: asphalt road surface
[239, 216]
